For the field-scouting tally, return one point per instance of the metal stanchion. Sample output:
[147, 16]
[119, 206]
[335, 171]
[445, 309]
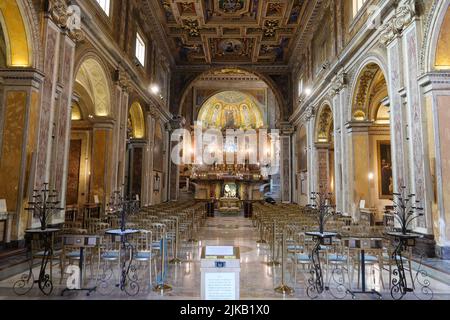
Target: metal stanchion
[283, 288]
[163, 287]
[261, 231]
[175, 259]
[193, 228]
[273, 262]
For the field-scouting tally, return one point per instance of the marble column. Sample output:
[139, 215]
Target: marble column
[168, 169]
[286, 132]
[294, 177]
[312, 169]
[121, 149]
[120, 116]
[346, 183]
[338, 92]
[149, 162]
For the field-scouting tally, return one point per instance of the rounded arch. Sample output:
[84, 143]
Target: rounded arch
[136, 116]
[231, 109]
[369, 77]
[92, 80]
[437, 42]
[324, 132]
[20, 42]
[270, 83]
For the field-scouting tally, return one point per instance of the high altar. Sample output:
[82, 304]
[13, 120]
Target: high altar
[246, 176]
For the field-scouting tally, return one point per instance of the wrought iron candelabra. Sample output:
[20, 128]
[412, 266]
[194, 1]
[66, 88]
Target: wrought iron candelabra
[406, 211]
[44, 205]
[128, 275]
[321, 202]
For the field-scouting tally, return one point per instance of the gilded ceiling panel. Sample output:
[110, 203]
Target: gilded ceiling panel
[232, 31]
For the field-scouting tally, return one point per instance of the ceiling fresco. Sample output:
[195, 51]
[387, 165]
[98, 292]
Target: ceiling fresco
[231, 31]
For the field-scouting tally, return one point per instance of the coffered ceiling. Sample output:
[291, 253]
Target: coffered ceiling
[231, 31]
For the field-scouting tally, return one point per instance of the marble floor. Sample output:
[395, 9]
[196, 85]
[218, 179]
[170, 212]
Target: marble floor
[258, 280]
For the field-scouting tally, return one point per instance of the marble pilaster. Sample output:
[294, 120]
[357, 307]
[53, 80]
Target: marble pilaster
[436, 90]
[63, 118]
[20, 114]
[417, 129]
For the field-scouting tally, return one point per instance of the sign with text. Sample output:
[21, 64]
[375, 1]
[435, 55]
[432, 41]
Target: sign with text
[220, 286]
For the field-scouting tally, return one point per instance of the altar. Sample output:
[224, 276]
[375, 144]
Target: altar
[229, 205]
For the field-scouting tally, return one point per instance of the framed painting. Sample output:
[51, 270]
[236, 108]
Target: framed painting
[385, 180]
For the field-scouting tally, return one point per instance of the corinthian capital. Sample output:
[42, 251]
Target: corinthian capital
[404, 15]
[388, 33]
[66, 17]
[58, 10]
[339, 82]
[309, 113]
[122, 79]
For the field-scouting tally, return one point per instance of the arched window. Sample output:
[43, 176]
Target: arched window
[357, 5]
[105, 5]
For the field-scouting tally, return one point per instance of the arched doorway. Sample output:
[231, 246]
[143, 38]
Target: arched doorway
[371, 140]
[324, 143]
[136, 143]
[91, 136]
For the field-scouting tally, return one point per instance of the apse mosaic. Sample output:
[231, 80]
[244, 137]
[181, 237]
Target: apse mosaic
[231, 110]
[234, 31]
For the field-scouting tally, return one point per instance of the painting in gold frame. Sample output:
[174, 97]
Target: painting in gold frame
[385, 178]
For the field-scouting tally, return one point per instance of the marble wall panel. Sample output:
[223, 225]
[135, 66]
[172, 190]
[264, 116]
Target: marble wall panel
[444, 136]
[12, 147]
[99, 164]
[73, 178]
